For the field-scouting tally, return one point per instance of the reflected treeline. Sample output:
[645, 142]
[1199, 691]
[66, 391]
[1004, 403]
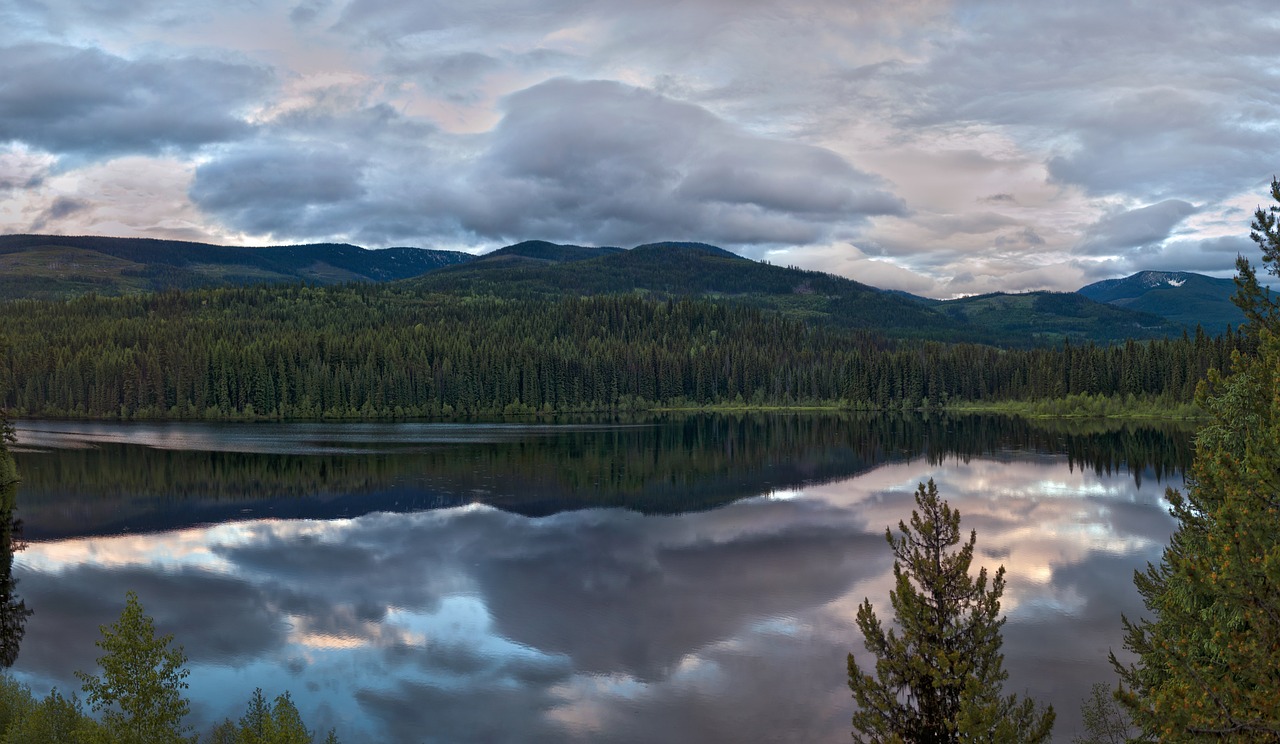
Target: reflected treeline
[1159, 449]
[13, 611]
[665, 466]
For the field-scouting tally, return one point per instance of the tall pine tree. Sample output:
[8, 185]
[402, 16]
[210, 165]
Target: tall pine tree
[1208, 661]
[939, 679]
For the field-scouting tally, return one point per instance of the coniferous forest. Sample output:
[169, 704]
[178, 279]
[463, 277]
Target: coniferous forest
[378, 352]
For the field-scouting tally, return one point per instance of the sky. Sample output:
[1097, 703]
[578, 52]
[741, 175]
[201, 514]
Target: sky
[942, 148]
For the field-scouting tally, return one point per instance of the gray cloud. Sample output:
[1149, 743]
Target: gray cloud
[1118, 107]
[590, 161]
[268, 187]
[91, 104]
[761, 123]
[61, 207]
[620, 165]
[1135, 228]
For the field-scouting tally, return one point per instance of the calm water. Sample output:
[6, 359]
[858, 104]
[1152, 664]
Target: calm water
[692, 580]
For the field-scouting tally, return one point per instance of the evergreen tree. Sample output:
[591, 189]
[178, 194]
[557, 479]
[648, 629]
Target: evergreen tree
[939, 680]
[1208, 666]
[141, 691]
[1105, 721]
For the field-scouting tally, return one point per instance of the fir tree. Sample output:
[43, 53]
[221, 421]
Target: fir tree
[939, 679]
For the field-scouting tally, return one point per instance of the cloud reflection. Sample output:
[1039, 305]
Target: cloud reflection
[473, 624]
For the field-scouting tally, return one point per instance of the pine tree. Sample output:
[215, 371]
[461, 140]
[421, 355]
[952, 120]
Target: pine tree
[1208, 666]
[939, 680]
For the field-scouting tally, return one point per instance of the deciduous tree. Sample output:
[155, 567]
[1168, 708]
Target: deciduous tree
[141, 693]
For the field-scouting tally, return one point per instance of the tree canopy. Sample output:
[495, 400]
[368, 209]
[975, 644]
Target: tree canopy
[939, 678]
[141, 692]
[1208, 658]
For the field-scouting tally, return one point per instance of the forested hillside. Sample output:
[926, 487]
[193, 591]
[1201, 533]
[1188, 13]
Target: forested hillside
[1181, 296]
[539, 270]
[57, 267]
[387, 351]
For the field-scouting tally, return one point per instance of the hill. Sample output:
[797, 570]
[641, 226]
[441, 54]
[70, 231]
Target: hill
[1049, 316]
[1183, 297]
[54, 267]
[676, 270]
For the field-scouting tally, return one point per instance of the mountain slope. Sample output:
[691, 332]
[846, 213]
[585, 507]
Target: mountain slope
[1183, 297]
[50, 267]
[1049, 316]
[700, 270]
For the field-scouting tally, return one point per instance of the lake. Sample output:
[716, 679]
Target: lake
[683, 579]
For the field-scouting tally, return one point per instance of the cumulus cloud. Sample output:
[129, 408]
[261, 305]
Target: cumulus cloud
[91, 104]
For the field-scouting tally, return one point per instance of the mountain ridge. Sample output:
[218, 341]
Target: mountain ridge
[1140, 306]
[1183, 297]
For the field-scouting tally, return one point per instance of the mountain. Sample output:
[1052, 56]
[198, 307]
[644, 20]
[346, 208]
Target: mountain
[542, 270]
[1049, 316]
[51, 267]
[1185, 298]
[54, 267]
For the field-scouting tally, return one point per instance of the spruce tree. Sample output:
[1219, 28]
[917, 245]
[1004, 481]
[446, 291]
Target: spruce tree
[938, 679]
[1208, 660]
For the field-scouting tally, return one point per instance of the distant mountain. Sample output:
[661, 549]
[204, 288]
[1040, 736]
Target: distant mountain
[1049, 316]
[536, 270]
[1183, 297]
[53, 266]
[541, 250]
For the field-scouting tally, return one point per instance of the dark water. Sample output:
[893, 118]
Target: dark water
[683, 580]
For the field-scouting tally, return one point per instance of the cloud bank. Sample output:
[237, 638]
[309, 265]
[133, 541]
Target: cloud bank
[962, 147]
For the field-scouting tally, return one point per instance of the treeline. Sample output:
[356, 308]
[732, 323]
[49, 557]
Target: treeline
[365, 351]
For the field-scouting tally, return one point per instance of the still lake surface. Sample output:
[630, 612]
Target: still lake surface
[681, 580]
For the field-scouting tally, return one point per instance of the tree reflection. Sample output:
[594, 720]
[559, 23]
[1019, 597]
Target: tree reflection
[13, 610]
[666, 465]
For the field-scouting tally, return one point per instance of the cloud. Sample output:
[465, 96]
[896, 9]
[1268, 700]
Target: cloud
[90, 104]
[61, 208]
[1010, 130]
[1135, 228]
[589, 161]
[621, 165]
[273, 188]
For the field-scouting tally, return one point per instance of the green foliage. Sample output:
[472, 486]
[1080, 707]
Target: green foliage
[56, 718]
[939, 678]
[1105, 721]
[16, 702]
[363, 352]
[25, 720]
[141, 693]
[1208, 660]
[263, 723]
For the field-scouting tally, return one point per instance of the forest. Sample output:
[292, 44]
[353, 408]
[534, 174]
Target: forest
[362, 351]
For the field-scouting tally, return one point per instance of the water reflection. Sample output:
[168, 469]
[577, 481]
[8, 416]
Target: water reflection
[101, 478]
[13, 609]
[472, 623]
